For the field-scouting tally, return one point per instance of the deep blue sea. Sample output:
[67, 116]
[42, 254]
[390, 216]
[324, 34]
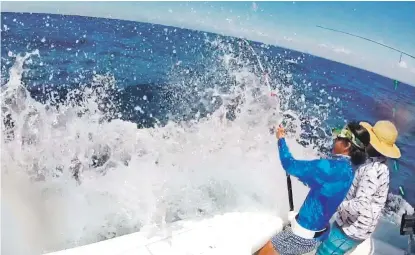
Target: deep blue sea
[152, 74]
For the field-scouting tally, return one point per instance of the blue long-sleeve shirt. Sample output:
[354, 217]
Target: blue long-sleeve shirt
[329, 181]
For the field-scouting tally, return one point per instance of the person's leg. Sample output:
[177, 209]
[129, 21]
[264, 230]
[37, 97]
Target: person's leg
[267, 249]
[287, 243]
[337, 243]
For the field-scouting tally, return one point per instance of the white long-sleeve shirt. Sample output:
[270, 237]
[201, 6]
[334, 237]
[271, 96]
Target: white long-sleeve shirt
[359, 213]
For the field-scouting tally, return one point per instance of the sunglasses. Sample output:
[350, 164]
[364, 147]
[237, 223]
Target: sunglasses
[346, 133]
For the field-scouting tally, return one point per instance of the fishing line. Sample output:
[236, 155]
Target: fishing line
[273, 94]
[264, 72]
[395, 162]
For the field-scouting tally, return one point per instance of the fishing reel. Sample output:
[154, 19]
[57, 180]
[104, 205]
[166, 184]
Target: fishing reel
[407, 224]
[408, 228]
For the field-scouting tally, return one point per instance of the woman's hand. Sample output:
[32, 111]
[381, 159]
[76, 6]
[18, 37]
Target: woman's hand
[280, 133]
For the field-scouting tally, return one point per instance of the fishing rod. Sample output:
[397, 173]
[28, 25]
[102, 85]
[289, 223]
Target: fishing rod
[370, 40]
[272, 94]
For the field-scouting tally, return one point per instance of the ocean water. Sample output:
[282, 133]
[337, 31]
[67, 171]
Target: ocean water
[110, 125]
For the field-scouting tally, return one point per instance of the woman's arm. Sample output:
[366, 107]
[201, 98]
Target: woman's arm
[305, 170]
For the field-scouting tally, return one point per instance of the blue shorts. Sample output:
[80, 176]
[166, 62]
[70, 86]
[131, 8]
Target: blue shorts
[288, 243]
[337, 243]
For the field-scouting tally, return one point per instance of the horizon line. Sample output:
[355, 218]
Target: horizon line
[239, 37]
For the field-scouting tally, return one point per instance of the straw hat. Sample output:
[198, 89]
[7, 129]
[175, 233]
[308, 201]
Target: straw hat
[383, 136]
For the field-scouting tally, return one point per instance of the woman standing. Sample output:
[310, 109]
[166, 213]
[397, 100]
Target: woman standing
[359, 213]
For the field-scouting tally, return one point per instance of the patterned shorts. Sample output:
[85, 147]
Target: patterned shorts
[287, 243]
[338, 243]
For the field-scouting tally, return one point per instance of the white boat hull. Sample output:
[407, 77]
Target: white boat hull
[231, 233]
